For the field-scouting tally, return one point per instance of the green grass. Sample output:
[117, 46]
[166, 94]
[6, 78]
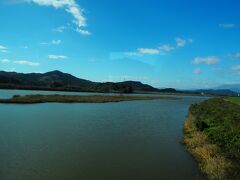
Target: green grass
[234, 99]
[217, 123]
[33, 99]
[211, 162]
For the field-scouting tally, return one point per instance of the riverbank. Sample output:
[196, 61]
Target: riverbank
[33, 99]
[234, 100]
[211, 135]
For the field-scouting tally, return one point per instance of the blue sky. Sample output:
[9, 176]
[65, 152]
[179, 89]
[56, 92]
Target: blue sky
[166, 43]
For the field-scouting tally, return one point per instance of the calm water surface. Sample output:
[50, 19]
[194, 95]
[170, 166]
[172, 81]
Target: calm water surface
[137, 140]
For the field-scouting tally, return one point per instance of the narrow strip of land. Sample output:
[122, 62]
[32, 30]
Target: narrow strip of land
[33, 99]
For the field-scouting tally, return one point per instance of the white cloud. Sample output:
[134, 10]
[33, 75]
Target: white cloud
[183, 42]
[180, 42]
[148, 51]
[57, 57]
[5, 61]
[132, 54]
[197, 71]
[227, 25]
[53, 42]
[166, 48]
[56, 42]
[3, 49]
[83, 32]
[60, 29]
[207, 60]
[28, 63]
[69, 6]
[161, 49]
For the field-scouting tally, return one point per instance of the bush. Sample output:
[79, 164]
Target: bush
[212, 135]
[220, 120]
[16, 96]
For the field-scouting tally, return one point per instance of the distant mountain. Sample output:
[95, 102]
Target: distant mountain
[169, 90]
[57, 80]
[233, 87]
[216, 92]
[54, 79]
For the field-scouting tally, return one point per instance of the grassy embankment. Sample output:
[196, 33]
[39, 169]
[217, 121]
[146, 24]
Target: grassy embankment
[33, 99]
[234, 99]
[212, 136]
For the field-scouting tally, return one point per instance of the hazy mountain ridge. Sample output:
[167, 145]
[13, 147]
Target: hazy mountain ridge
[220, 92]
[233, 87]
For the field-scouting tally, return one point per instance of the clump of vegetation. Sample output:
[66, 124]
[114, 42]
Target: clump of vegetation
[31, 99]
[208, 155]
[212, 135]
[16, 96]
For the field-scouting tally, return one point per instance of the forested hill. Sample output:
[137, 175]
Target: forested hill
[57, 80]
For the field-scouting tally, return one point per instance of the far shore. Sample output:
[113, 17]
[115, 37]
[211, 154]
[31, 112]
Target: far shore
[34, 99]
[110, 92]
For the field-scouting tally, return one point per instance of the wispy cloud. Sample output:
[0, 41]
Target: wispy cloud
[21, 62]
[207, 60]
[60, 29]
[227, 25]
[132, 54]
[53, 42]
[82, 31]
[166, 48]
[197, 71]
[56, 42]
[162, 49]
[182, 42]
[57, 57]
[72, 8]
[5, 61]
[28, 63]
[3, 49]
[148, 51]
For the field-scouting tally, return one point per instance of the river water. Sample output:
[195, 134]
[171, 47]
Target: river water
[136, 140]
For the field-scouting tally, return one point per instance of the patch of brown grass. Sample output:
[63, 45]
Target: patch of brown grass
[211, 161]
[31, 99]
